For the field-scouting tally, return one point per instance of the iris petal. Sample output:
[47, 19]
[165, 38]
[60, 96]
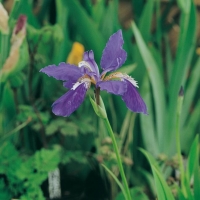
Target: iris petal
[89, 58]
[114, 86]
[133, 100]
[70, 101]
[113, 55]
[64, 72]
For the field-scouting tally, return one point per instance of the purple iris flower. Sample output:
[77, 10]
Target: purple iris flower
[79, 79]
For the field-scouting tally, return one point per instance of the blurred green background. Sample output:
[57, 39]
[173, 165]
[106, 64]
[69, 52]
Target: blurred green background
[162, 42]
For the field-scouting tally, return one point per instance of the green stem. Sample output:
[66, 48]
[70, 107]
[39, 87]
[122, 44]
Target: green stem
[97, 94]
[109, 129]
[178, 145]
[3, 49]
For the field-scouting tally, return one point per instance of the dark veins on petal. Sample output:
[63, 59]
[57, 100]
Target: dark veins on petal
[89, 58]
[64, 72]
[113, 55]
[70, 101]
[113, 86]
[133, 100]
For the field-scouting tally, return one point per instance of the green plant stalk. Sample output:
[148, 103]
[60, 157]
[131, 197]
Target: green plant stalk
[4, 49]
[121, 169]
[178, 144]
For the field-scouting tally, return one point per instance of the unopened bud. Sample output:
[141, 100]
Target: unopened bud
[17, 39]
[3, 20]
[19, 31]
[21, 22]
[180, 101]
[181, 92]
[76, 54]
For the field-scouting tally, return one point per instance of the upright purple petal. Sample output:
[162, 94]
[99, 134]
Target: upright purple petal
[113, 86]
[113, 55]
[89, 58]
[64, 72]
[133, 100]
[70, 101]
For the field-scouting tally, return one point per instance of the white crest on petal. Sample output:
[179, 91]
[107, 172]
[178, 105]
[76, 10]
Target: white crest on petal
[85, 81]
[130, 79]
[122, 77]
[84, 64]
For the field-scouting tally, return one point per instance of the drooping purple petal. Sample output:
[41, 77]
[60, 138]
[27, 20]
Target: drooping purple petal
[113, 55]
[89, 58]
[64, 72]
[133, 100]
[70, 101]
[113, 86]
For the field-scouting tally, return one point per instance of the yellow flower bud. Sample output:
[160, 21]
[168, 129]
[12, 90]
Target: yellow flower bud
[76, 54]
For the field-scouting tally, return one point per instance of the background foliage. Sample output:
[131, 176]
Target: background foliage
[161, 39]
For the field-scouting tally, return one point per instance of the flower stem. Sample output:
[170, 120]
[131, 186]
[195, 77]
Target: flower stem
[178, 145]
[121, 170]
[97, 94]
[4, 49]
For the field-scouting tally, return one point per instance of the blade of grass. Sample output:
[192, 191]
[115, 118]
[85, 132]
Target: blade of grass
[137, 8]
[193, 167]
[197, 180]
[87, 28]
[184, 5]
[146, 20]
[24, 7]
[61, 19]
[189, 130]
[124, 128]
[158, 26]
[184, 52]
[116, 180]
[110, 23]
[190, 91]
[144, 27]
[147, 122]
[7, 135]
[98, 10]
[193, 157]
[169, 61]
[157, 86]
[163, 190]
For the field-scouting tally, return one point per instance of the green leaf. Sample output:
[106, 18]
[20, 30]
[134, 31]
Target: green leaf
[193, 169]
[184, 5]
[87, 28]
[190, 91]
[110, 23]
[145, 22]
[17, 79]
[147, 121]
[98, 10]
[51, 129]
[196, 182]
[190, 128]
[99, 109]
[193, 157]
[69, 129]
[128, 69]
[116, 180]
[163, 190]
[157, 86]
[4, 192]
[186, 45]
[136, 194]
